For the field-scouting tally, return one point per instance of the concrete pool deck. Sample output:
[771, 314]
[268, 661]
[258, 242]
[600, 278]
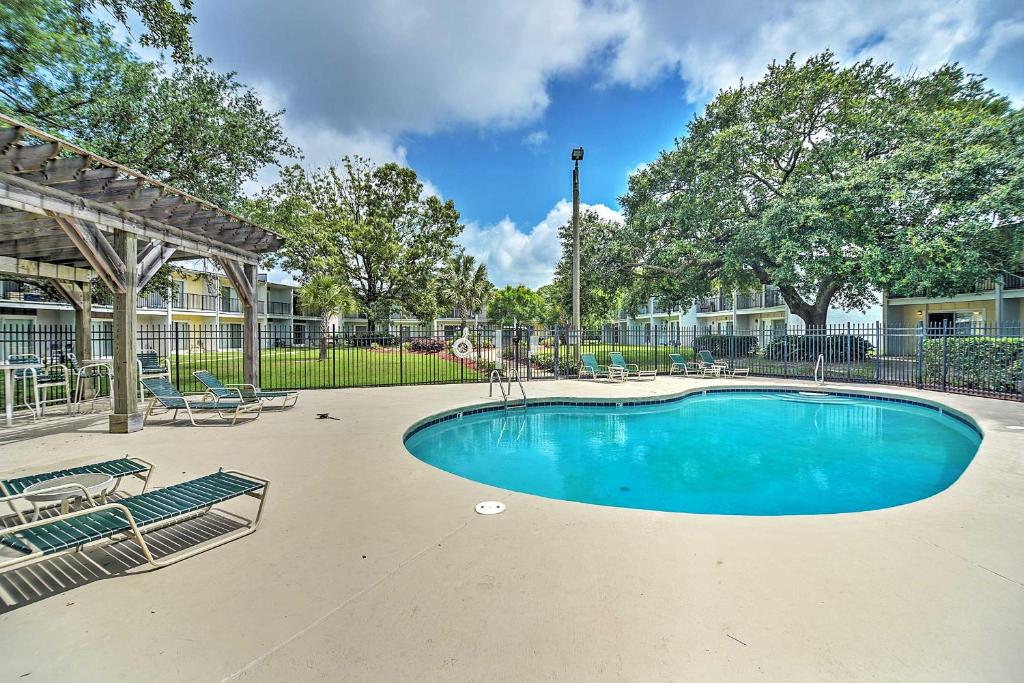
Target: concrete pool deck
[370, 565]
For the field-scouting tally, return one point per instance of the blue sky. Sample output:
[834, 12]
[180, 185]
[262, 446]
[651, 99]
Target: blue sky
[485, 100]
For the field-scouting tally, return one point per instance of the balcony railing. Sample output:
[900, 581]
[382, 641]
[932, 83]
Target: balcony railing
[151, 300]
[715, 304]
[1010, 281]
[279, 307]
[230, 305]
[11, 290]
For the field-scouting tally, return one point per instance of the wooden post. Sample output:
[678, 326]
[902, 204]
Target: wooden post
[83, 325]
[250, 329]
[126, 417]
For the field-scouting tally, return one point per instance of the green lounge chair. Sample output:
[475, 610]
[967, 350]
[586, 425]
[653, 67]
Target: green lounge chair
[242, 392]
[712, 367]
[590, 366]
[130, 518]
[150, 366]
[166, 396]
[681, 365]
[118, 469]
[629, 369]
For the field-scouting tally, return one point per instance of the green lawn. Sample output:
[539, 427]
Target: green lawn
[293, 368]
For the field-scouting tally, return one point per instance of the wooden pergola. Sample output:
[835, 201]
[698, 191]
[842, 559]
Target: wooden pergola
[68, 215]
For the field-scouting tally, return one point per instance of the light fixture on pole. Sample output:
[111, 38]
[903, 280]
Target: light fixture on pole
[577, 156]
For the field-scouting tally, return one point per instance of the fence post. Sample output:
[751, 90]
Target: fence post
[177, 358]
[878, 351]
[401, 354]
[849, 373]
[945, 357]
[785, 350]
[920, 354]
[555, 351]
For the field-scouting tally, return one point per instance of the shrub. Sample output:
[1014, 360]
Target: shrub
[807, 347]
[370, 338]
[725, 345]
[427, 345]
[546, 361]
[985, 363]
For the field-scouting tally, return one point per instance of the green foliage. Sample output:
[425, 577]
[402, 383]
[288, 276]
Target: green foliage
[807, 347]
[726, 345]
[830, 182]
[326, 295]
[598, 299]
[57, 56]
[427, 345]
[515, 305]
[370, 225]
[980, 363]
[463, 285]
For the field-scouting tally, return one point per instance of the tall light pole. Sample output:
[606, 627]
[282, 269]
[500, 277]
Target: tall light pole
[577, 156]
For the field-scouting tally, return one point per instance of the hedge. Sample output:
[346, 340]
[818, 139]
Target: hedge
[726, 345]
[984, 363]
[427, 344]
[802, 347]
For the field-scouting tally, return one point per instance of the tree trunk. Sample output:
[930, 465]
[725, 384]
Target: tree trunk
[814, 315]
[325, 321]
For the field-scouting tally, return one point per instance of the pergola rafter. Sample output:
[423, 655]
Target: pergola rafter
[65, 212]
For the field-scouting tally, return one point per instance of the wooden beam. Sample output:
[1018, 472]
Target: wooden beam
[27, 268]
[126, 416]
[96, 250]
[71, 291]
[37, 199]
[21, 158]
[151, 258]
[236, 275]
[83, 326]
[250, 327]
[9, 136]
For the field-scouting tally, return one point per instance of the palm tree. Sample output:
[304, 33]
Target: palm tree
[464, 286]
[325, 294]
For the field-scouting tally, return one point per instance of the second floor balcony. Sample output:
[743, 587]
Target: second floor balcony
[279, 308]
[1011, 281]
[715, 304]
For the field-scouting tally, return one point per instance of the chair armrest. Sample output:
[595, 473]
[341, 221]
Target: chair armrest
[633, 365]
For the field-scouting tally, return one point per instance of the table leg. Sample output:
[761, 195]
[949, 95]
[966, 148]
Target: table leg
[8, 398]
[64, 506]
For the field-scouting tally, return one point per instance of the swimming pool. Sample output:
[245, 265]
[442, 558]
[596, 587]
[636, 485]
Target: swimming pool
[723, 452]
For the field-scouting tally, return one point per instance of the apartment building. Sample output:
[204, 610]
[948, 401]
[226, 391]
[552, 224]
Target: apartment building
[448, 324]
[202, 306]
[995, 303]
[740, 311]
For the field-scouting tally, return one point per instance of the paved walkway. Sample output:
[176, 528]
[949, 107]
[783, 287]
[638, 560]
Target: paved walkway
[372, 566]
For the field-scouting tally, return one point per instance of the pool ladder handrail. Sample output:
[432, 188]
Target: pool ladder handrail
[819, 365]
[505, 393]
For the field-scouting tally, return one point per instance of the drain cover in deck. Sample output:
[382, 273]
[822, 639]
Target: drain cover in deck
[490, 507]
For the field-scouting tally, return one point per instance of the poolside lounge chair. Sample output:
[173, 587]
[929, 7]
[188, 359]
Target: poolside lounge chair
[130, 518]
[118, 469]
[682, 366]
[592, 367]
[166, 396]
[150, 366]
[242, 392]
[629, 369]
[709, 364]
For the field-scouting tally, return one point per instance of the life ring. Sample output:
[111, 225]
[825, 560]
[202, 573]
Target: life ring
[462, 347]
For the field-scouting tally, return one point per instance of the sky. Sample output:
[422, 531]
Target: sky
[485, 100]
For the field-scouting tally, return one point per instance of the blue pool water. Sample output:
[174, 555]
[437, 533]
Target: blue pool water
[740, 453]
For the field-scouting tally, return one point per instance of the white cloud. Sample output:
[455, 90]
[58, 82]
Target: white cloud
[407, 66]
[713, 45]
[528, 257]
[535, 138]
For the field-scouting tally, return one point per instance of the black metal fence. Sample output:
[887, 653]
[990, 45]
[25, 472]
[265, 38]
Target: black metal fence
[974, 359]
